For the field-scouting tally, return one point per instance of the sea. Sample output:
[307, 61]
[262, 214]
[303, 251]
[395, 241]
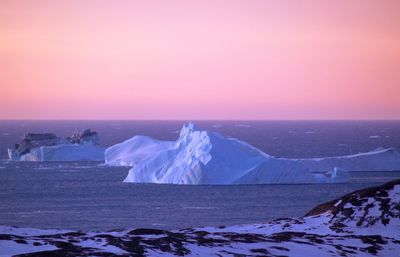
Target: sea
[91, 196]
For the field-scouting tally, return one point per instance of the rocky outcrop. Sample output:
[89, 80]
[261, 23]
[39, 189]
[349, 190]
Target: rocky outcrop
[365, 208]
[358, 198]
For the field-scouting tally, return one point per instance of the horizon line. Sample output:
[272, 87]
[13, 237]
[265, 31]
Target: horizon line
[188, 120]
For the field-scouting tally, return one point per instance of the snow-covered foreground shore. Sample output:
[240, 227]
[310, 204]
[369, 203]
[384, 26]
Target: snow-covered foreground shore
[363, 223]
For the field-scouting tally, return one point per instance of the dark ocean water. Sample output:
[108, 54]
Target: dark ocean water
[89, 196]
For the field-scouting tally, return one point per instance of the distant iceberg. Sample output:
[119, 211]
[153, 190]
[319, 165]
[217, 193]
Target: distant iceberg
[204, 157]
[82, 145]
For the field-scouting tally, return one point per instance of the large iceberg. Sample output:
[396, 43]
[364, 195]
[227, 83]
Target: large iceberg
[204, 157]
[82, 145]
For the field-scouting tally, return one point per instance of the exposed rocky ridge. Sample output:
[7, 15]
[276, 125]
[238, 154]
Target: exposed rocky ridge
[362, 223]
[356, 198]
[363, 208]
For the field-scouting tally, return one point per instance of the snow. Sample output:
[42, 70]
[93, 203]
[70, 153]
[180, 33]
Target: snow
[101, 245]
[395, 192]
[9, 248]
[338, 202]
[204, 157]
[65, 152]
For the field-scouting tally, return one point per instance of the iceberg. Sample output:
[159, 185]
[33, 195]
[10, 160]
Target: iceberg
[82, 145]
[198, 157]
[204, 157]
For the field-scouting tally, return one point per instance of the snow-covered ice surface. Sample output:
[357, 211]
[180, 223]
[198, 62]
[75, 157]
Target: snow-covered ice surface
[363, 223]
[204, 157]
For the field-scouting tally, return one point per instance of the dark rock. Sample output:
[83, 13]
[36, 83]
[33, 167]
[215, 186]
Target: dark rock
[20, 241]
[147, 231]
[84, 137]
[353, 198]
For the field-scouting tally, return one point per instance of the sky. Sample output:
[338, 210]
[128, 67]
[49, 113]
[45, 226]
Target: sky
[209, 59]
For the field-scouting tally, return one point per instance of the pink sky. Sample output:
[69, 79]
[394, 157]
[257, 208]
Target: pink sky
[214, 59]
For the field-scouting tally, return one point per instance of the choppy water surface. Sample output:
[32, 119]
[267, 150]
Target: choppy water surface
[89, 196]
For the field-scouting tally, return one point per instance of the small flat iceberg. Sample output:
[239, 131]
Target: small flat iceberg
[204, 157]
[82, 145]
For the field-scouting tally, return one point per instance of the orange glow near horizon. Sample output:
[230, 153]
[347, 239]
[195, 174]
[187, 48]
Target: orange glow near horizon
[200, 59]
